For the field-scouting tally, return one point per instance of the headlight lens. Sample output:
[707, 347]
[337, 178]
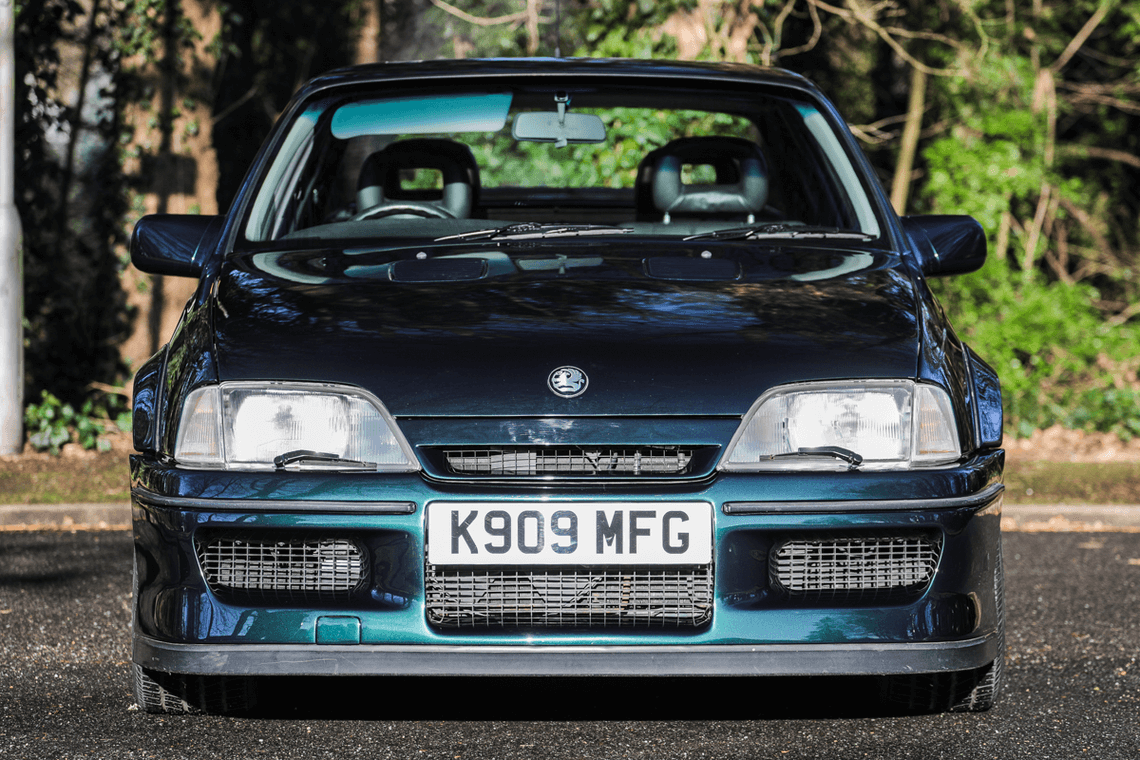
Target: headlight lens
[888, 424]
[263, 426]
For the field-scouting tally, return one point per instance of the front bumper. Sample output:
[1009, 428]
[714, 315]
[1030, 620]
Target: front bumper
[182, 627]
[529, 660]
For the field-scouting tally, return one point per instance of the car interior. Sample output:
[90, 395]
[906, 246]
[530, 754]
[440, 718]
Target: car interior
[648, 170]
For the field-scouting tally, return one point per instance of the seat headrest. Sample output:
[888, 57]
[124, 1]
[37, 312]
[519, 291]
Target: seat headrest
[380, 174]
[741, 187]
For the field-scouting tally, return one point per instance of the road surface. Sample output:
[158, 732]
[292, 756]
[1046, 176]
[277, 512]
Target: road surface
[1073, 689]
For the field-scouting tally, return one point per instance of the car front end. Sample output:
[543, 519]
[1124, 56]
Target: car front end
[479, 428]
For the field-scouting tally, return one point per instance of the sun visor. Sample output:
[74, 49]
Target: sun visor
[422, 115]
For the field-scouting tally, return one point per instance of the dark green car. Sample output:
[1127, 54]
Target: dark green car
[564, 367]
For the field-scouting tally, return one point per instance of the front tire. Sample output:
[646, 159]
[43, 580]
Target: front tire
[179, 694]
[961, 691]
[988, 687]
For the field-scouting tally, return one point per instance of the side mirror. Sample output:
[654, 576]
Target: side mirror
[946, 244]
[174, 244]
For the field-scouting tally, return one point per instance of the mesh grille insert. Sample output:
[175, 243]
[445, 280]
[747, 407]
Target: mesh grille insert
[569, 597]
[299, 570]
[570, 461]
[854, 568]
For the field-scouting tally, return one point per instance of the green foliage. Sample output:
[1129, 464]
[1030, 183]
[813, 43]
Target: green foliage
[620, 29]
[1036, 148]
[1045, 318]
[47, 422]
[505, 161]
[1058, 360]
[993, 147]
[52, 423]
[980, 171]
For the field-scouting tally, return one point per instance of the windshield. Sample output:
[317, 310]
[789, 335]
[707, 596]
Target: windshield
[557, 159]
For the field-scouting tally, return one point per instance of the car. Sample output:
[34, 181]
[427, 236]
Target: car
[564, 367]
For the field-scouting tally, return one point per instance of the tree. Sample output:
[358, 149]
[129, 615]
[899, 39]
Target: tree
[1023, 115]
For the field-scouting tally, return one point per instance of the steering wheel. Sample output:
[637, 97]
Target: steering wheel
[403, 207]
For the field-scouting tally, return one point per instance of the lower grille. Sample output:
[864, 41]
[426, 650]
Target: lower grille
[517, 462]
[868, 567]
[297, 570]
[569, 597]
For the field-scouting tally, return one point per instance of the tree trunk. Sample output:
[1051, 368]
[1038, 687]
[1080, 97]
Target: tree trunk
[180, 176]
[900, 187]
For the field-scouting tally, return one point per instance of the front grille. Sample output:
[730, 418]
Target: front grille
[569, 597]
[296, 570]
[572, 461]
[854, 568]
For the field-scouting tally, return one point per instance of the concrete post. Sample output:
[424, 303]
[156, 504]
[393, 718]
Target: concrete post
[11, 264]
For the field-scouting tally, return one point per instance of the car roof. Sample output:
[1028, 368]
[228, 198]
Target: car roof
[540, 67]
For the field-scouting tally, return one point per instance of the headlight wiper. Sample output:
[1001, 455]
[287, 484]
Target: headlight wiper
[320, 459]
[853, 459]
[782, 230]
[536, 230]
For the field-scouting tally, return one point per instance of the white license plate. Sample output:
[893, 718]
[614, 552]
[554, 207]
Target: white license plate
[569, 533]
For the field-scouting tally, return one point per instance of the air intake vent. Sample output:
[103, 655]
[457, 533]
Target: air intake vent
[291, 570]
[854, 569]
[570, 461]
[569, 597]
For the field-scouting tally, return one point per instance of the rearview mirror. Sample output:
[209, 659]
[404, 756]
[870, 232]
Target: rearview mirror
[560, 129]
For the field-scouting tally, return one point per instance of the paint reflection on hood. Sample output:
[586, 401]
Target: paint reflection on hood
[484, 343]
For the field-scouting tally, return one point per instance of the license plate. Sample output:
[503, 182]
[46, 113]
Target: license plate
[569, 533]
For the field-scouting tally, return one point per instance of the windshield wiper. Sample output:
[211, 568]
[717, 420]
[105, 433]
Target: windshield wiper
[536, 230]
[853, 459]
[782, 230]
[319, 458]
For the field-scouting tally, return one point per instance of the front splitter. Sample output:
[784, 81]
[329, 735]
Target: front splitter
[444, 660]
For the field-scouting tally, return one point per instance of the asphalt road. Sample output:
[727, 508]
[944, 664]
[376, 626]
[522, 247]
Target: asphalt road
[1074, 688]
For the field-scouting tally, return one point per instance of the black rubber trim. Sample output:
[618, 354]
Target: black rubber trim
[981, 498]
[274, 505]
[877, 658]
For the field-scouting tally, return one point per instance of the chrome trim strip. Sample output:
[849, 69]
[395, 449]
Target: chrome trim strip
[981, 498]
[274, 505]
[876, 658]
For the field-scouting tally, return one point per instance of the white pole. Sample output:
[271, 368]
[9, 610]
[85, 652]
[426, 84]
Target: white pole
[11, 269]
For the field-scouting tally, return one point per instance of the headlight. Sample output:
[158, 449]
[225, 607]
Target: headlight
[265, 426]
[869, 424]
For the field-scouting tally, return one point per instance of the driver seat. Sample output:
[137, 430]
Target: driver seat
[379, 180]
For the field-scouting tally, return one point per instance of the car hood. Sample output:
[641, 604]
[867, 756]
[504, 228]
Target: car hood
[652, 339]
